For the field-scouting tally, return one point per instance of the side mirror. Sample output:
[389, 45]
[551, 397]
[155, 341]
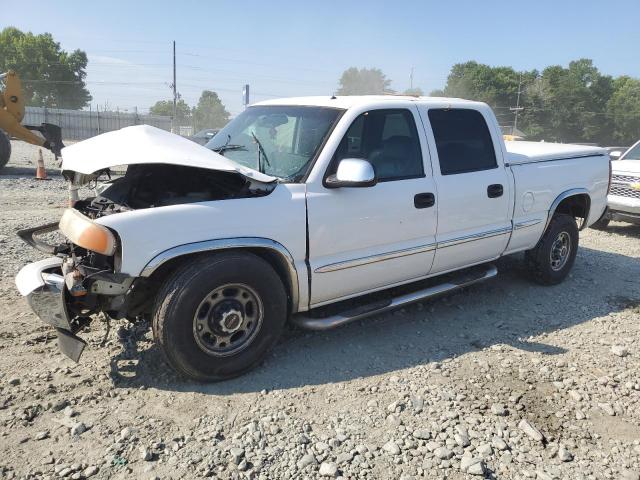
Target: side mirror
[615, 155]
[352, 172]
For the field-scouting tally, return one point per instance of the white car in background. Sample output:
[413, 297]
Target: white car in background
[623, 201]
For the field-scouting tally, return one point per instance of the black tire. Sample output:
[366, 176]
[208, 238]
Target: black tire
[192, 288]
[5, 149]
[601, 224]
[546, 269]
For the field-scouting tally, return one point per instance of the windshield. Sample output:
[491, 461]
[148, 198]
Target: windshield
[633, 153]
[277, 140]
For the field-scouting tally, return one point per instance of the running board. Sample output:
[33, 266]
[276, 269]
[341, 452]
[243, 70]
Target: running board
[308, 322]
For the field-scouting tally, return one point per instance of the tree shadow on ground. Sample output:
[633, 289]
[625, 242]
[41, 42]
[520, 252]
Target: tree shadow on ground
[506, 310]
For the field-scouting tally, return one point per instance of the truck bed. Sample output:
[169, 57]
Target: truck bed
[531, 152]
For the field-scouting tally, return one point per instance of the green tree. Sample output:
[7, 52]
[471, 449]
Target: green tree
[416, 92]
[210, 112]
[50, 76]
[165, 107]
[364, 81]
[623, 110]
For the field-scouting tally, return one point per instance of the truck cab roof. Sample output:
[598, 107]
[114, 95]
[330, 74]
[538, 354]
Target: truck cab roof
[350, 101]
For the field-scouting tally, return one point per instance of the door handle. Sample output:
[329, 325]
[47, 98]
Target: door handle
[494, 191]
[424, 200]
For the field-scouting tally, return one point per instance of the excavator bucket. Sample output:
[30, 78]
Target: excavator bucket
[52, 135]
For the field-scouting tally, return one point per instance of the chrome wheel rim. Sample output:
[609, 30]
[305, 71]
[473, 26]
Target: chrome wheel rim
[227, 319]
[560, 251]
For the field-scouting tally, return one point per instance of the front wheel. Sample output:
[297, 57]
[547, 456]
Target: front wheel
[216, 317]
[551, 260]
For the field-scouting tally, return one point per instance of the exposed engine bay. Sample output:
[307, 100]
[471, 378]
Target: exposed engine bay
[161, 185]
[91, 278]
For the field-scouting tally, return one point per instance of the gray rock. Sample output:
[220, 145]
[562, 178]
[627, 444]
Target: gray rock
[443, 453]
[126, 433]
[90, 471]
[344, 458]
[15, 381]
[462, 440]
[499, 444]
[391, 447]
[328, 469]
[237, 454]
[485, 449]
[472, 465]
[146, 454]
[65, 472]
[305, 461]
[422, 434]
[620, 350]
[564, 454]
[607, 408]
[499, 410]
[78, 428]
[303, 439]
[42, 435]
[531, 431]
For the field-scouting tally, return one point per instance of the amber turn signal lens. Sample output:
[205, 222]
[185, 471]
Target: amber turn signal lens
[87, 234]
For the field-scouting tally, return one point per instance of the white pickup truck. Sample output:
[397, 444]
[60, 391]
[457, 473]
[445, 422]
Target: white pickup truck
[624, 195]
[319, 210]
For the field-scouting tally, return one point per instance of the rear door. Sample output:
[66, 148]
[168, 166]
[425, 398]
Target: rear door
[474, 188]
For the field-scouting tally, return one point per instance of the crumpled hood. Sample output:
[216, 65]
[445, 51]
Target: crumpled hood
[142, 144]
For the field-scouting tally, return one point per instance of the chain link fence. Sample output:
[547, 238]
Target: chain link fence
[82, 124]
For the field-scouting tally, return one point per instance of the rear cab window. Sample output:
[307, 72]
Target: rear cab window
[463, 141]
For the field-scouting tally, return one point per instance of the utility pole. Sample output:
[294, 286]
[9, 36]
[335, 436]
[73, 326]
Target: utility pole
[175, 92]
[517, 109]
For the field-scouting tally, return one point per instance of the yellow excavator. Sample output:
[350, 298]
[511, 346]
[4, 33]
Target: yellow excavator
[11, 115]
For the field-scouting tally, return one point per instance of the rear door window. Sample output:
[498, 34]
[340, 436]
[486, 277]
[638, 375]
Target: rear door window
[463, 141]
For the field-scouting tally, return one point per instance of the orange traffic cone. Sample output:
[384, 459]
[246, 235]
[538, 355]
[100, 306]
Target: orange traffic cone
[41, 173]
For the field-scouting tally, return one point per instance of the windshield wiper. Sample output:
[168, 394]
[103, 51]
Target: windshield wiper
[228, 146]
[261, 154]
[224, 148]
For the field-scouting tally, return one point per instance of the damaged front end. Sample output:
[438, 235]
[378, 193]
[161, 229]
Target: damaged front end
[83, 278]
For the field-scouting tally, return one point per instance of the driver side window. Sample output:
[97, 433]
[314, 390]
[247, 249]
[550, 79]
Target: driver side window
[388, 139]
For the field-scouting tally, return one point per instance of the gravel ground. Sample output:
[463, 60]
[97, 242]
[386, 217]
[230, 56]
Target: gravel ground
[506, 379]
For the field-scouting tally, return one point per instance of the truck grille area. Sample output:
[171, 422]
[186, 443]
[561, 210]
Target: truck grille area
[621, 186]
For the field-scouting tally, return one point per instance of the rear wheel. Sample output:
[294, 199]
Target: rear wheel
[216, 317]
[5, 149]
[551, 260]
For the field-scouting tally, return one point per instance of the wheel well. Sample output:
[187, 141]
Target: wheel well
[577, 206]
[273, 258]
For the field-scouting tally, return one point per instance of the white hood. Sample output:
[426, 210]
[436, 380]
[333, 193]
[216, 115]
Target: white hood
[143, 144]
[626, 166]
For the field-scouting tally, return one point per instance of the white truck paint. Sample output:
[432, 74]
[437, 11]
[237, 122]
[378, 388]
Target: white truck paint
[331, 244]
[624, 196]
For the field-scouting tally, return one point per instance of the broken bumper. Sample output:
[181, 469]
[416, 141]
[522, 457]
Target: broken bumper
[43, 285]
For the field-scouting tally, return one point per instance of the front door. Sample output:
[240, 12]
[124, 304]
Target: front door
[363, 239]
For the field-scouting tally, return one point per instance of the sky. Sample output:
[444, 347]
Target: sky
[292, 48]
